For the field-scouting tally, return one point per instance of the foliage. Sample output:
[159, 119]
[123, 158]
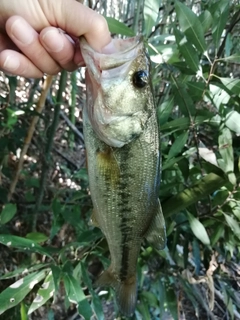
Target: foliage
[194, 49]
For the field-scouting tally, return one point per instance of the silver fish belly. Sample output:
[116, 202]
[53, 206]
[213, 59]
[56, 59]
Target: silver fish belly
[123, 163]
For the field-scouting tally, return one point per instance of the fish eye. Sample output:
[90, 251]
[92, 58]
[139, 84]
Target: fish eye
[140, 78]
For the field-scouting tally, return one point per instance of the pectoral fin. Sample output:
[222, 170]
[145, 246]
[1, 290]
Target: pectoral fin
[156, 233]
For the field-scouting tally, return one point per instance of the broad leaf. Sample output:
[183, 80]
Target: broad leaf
[198, 229]
[8, 212]
[226, 151]
[233, 224]
[191, 26]
[118, 27]
[187, 50]
[76, 295]
[150, 11]
[178, 145]
[44, 293]
[25, 244]
[219, 11]
[16, 292]
[232, 121]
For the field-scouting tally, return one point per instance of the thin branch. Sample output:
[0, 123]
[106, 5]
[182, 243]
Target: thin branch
[40, 106]
[47, 155]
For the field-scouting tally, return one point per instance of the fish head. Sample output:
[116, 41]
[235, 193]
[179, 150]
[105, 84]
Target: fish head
[119, 95]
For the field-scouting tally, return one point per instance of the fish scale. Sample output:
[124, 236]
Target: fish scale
[123, 163]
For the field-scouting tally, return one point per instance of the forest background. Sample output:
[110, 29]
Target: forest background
[49, 253]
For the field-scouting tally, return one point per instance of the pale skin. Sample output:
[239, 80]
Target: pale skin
[41, 36]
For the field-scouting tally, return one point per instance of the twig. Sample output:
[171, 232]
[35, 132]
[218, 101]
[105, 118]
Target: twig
[72, 126]
[46, 159]
[40, 106]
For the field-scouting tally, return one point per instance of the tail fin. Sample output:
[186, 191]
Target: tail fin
[126, 295]
[126, 291]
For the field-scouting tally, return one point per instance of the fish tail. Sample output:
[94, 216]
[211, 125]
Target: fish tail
[126, 291]
[126, 295]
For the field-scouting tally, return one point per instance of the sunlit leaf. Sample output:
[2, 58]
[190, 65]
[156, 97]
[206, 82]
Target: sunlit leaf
[226, 151]
[232, 85]
[198, 229]
[150, 11]
[187, 50]
[232, 121]
[117, 27]
[16, 292]
[208, 155]
[191, 26]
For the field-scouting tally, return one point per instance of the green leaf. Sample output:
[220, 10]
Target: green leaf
[235, 58]
[150, 12]
[165, 110]
[198, 229]
[187, 50]
[44, 293]
[206, 20]
[96, 301]
[232, 121]
[231, 84]
[37, 237]
[118, 27]
[233, 224]
[8, 212]
[22, 271]
[178, 145]
[76, 295]
[220, 12]
[16, 292]
[182, 98]
[189, 196]
[226, 151]
[191, 26]
[25, 245]
[23, 312]
[217, 234]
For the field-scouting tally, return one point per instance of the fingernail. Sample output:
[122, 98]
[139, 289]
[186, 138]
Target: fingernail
[20, 30]
[11, 64]
[53, 41]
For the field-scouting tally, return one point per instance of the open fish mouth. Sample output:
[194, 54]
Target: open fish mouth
[116, 89]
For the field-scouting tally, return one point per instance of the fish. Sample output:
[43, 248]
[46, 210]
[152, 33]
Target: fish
[122, 139]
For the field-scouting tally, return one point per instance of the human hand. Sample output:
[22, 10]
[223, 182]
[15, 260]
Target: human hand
[41, 36]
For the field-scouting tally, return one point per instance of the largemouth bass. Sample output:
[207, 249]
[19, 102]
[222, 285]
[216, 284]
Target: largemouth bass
[123, 158]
